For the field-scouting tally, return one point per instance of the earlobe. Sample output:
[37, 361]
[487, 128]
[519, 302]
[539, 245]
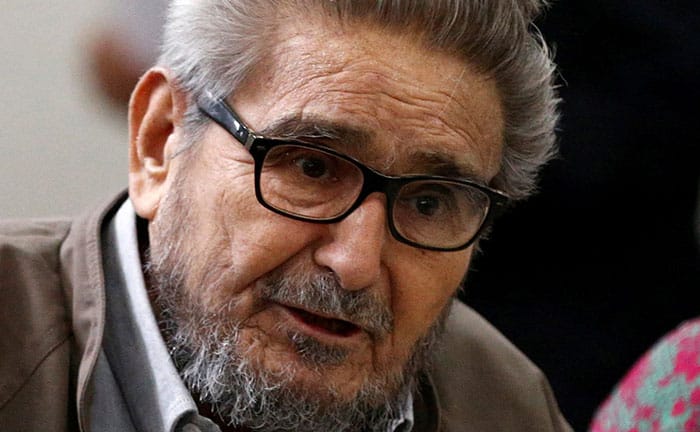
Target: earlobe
[155, 113]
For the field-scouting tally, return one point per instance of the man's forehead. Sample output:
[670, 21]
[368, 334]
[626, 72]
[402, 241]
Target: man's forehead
[379, 87]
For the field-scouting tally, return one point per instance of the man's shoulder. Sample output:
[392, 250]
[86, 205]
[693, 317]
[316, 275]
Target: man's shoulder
[43, 263]
[32, 234]
[30, 272]
[33, 317]
[29, 255]
[483, 380]
[469, 334]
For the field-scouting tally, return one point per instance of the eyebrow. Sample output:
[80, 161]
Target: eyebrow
[428, 161]
[436, 162]
[314, 128]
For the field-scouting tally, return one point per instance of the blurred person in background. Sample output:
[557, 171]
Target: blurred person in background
[661, 392]
[125, 45]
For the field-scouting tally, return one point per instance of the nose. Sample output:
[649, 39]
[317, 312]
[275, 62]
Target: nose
[354, 249]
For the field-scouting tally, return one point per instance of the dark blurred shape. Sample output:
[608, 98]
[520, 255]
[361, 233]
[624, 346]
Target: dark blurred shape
[115, 68]
[588, 274]
[125, 46]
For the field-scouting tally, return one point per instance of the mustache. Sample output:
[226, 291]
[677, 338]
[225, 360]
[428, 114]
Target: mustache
[322, 293]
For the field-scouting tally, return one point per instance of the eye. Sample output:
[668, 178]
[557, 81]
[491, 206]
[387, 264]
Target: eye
[311, 166]
[426, 205]
[428, 200]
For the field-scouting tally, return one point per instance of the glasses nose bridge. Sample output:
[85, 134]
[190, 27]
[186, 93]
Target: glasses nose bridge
[374, 181]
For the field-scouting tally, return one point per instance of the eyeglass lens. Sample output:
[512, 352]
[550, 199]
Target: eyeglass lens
[314, 184]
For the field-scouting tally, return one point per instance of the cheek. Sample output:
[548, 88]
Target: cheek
[246, 241]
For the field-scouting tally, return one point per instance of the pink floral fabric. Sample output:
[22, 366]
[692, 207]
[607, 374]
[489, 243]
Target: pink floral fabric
[661, 393]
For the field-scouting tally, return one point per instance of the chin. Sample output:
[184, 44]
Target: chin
[369, 371]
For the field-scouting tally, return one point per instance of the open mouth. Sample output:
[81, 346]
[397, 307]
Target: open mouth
[334, 326]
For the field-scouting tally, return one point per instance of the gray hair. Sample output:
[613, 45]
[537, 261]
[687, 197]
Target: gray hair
[211, 45]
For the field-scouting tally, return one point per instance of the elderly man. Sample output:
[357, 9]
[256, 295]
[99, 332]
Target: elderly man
[308, 182]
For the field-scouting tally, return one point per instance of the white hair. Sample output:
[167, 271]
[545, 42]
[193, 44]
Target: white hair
[213, 44]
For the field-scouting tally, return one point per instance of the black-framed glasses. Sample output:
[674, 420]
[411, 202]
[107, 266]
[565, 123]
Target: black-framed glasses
[314, 183]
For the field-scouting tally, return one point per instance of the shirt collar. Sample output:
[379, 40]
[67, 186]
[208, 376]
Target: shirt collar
[156, 397]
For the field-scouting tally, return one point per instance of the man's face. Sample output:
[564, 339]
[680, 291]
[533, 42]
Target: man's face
[337, 308]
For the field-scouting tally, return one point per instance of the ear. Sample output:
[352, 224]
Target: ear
[156, 111]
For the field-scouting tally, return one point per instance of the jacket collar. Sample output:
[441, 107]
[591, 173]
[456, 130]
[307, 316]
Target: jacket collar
[84, 286]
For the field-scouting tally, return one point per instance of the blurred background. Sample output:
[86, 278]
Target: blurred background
[591, 272]
[583, 277]
[63, 136]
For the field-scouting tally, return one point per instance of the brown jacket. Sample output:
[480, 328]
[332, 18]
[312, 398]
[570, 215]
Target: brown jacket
[52, 316]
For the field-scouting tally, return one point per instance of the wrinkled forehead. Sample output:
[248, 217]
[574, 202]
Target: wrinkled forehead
[402, 106]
